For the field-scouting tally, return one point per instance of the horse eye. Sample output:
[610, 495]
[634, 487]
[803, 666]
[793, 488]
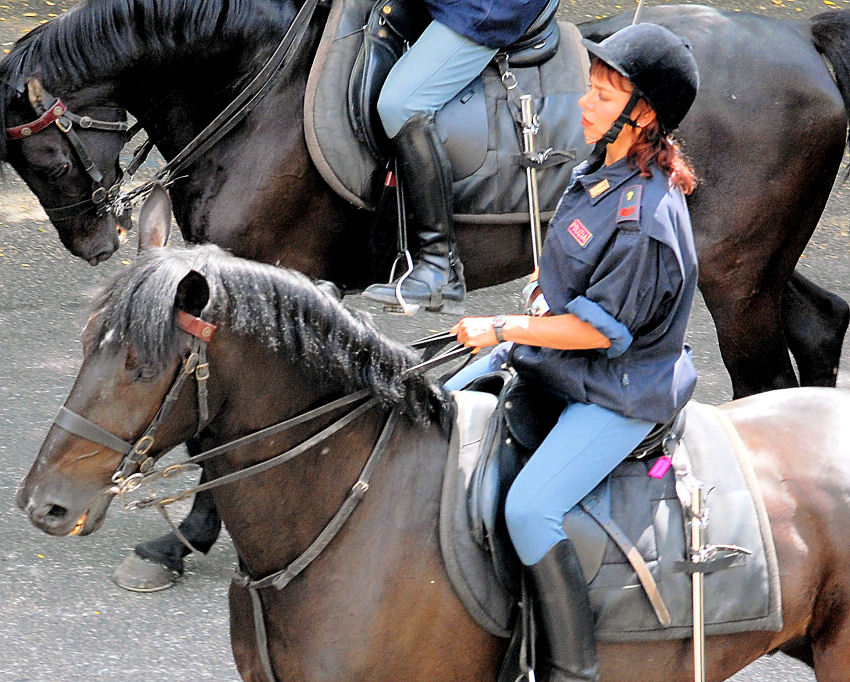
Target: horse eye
[146, 373]
[59, 172]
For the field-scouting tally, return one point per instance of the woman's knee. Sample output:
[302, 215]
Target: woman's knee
[393, 109]
[521, 513]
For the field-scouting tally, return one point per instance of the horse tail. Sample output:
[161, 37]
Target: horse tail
[830, 34]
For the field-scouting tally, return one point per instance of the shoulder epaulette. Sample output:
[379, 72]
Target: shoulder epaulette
[628, 212]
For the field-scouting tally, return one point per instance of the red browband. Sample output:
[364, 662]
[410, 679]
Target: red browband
[195, 326]
[53, 114]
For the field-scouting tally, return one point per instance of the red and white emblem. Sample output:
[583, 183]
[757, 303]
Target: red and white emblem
[579, 232]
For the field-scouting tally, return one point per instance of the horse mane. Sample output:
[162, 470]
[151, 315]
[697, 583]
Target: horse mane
[282, 309]
[130, 32]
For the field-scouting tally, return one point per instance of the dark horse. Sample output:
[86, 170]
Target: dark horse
[767, 133]
[377, 602]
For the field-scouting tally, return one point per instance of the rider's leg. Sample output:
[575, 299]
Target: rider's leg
[584, 446]
[438, 66]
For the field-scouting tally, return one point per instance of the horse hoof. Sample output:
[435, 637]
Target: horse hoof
[142, 575]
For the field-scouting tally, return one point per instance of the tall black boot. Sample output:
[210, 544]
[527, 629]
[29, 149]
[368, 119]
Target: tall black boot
[560, 594]
[436, 282]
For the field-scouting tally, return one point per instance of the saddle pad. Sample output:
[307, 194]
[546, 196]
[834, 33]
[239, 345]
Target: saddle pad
[493, 188]
[469, 566]
[737, 599]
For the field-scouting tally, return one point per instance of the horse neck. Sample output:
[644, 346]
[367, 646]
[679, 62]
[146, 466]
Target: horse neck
[381, 573]
[292, 502]
[177, 99]
[257, 189]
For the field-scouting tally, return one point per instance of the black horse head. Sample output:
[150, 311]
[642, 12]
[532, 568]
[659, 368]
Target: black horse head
[67, 153]
[87, 62]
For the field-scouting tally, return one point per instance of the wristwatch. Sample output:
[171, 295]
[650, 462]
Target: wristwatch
[498, 325]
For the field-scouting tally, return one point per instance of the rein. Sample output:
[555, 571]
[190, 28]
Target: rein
[240, 107]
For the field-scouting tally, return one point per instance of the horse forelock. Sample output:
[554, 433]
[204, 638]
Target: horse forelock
[281, 309]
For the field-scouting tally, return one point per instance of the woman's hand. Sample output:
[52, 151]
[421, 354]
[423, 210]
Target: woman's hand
[476, 332]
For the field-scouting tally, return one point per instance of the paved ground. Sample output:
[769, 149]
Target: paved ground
[64, 619]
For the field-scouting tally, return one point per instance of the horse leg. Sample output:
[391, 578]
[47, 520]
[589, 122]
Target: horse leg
[814, 321]
[831, 639]
[752, 343]
[157, 564]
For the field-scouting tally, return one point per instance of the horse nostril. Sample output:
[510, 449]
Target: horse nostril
[50, 514]
[56, 512]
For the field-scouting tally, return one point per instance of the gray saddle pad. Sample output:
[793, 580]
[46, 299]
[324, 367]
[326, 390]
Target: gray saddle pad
[649, 513]
[477, 127]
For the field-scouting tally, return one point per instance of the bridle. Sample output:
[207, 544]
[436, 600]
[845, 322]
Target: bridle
[102, 199]
[105, 199]
[138, 466]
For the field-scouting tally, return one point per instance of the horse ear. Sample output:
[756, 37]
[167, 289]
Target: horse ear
[35, 93]
[155, 219]
[193, 293]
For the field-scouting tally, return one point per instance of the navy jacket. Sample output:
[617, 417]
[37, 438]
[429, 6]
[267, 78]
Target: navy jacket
[620, 255]
[494, 23]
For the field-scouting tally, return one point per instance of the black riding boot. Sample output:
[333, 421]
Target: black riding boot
[560, 594]
[436, 282]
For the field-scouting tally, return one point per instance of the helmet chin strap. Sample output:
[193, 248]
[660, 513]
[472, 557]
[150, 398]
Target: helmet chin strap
[597, 156]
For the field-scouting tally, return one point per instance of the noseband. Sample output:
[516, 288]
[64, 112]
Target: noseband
[102, 197]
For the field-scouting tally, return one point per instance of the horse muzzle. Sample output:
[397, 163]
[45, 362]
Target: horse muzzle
[56, 514]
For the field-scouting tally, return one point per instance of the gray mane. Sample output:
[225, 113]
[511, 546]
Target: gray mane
[281, 309]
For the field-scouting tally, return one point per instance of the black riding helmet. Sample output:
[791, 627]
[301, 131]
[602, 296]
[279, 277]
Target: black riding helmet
[658, 64]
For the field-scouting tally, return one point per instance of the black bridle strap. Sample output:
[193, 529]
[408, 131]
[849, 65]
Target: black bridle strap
[241, 106]
[282, 578]
[83, 428]
[136, 454]
[65, 120]
[259, 467]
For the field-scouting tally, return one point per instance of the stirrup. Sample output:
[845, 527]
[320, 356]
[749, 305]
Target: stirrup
[403, 307]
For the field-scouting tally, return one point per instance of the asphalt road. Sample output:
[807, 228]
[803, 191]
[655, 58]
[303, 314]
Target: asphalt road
[64, 619]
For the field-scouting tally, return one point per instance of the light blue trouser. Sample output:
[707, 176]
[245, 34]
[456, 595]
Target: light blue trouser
[583, 447]
[436, 67]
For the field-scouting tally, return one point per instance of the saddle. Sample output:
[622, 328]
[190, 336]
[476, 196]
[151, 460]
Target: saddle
[630, 533]
[393, 24]
[360, 44]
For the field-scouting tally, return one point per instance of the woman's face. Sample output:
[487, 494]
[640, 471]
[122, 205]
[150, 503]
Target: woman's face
[603, 103]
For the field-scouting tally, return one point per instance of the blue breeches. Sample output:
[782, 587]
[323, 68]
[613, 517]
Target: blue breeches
[583, 447]
[435, 68]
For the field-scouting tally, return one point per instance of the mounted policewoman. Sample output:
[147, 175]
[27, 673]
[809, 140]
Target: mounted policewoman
[462, 38]
[609, 311]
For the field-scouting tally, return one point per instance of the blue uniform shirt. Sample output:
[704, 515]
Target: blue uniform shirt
[619, 254]
[494, 23]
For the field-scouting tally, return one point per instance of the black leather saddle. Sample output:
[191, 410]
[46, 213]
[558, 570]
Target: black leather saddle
[524, 416]
[394, 23]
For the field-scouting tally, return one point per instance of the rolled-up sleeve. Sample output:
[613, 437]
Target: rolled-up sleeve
[594, 314]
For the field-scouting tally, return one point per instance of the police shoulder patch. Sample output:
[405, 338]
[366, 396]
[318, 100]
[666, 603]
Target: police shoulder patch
[629, 209]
